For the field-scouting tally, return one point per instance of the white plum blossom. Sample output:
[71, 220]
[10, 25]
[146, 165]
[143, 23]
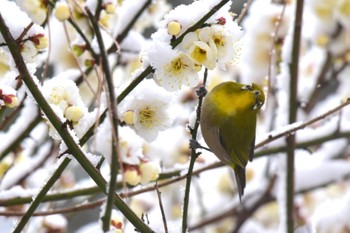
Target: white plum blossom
[173, 69]
[130, 144]
[203, 54]
[62, 92]
[158, 81]
[36, 9]
[61, 11]
[63, 96]
[208, 46]
[147, 110]
[218, 37]
[30, 43]
[17, 21]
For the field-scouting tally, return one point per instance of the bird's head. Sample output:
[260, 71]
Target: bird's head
[258, 93]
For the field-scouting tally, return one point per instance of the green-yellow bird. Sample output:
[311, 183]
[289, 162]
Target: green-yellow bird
[228, 122]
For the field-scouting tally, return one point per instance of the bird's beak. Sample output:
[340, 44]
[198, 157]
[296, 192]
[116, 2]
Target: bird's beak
[257, 104]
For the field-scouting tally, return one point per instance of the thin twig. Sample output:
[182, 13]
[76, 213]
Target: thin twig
[82, 73]
[321, 82]
[76, 208]
[244, 11]
[24, 33]
[148, 70]
[73, 147]
[205, 221]
[293, 108]
[269, 151]
[121, 36]
[273, 51]
[194, 154]
[47, 60]
[38, 198]
[241, 213]
[113, 115]
[302, 126]
[20, 136]
[200, 23]
[247, 211]
[35, 167]
[161, 208]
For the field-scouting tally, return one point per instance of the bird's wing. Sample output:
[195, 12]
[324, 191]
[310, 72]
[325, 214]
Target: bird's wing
[213, 140]
[251, 150]
[233, 149]
[237, 143]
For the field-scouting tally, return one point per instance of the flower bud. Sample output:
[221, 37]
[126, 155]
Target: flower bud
[74, 113]
[221, 21]
[129, 117]
[40, 41]
[62, 11]
[12, 101]
[89, 63]
[78, 49]
[110, 8]
[149, 172]
[322, 40]
[174, 28]
[132, 176]
[105, 19]
[117, 223]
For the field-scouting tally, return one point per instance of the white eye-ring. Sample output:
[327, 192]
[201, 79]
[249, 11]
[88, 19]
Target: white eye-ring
[247, 87]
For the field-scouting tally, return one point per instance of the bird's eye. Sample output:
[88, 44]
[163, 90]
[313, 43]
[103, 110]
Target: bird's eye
[256, 93]
[247, 87]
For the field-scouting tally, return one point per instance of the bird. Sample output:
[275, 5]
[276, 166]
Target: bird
[228, 124]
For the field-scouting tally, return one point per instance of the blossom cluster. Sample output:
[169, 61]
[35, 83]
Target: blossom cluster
[210, 46]
[136, 168]
[63, 96]
[155, 80]
[31, 43]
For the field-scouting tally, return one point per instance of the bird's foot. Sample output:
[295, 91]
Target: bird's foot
[194, 144]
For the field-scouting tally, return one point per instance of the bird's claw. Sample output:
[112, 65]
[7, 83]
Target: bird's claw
[194, 144]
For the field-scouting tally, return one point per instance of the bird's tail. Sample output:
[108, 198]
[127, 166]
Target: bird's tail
[240, 179]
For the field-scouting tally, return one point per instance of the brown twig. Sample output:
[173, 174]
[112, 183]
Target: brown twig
[47, 60]
[241, 212]
[321, 82]
[244, 11]
[302, 126]
[76, 208]
[292, 116]
[161, 209]
[244, 213]
[264, 142]
[25, 31]
[206, 221]
[35, 167]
